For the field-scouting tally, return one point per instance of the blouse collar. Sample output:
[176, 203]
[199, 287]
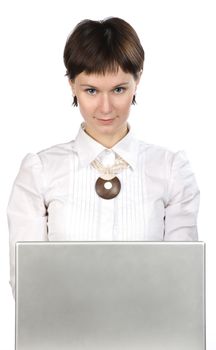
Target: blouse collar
[89, 149]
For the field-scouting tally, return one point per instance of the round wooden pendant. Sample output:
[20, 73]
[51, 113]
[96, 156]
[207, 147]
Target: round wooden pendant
[108, 189]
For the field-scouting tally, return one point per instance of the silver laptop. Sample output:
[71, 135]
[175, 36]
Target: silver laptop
[110, 296]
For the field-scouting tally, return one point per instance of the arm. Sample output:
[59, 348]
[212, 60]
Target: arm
[26, 211]
[182, 203]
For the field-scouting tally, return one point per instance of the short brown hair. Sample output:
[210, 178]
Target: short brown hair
[102, 46]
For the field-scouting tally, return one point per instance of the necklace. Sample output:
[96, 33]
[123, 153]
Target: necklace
[108, 184]
[108, 189]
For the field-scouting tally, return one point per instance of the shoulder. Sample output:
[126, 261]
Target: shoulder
[161, 160]
[156, 153]
[56, 153]
[49, 157]
[58, 150]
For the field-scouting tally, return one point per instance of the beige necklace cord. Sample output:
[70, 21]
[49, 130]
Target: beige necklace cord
[110, 172]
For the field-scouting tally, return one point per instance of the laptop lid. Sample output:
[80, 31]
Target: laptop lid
[110, 295]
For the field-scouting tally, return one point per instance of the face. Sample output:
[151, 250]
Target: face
[104, 102]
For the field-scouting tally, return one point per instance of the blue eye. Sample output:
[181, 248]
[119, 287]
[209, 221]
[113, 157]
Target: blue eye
[119, 90]
[91, 91]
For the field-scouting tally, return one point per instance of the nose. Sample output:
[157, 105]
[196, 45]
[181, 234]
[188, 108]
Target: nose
[105, 104]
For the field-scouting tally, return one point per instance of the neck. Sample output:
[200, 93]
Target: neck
[108, 141]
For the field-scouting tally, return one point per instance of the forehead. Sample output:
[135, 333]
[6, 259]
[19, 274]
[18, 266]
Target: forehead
[106, 80]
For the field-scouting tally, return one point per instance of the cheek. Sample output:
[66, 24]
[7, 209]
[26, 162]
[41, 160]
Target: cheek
[126, 103]
[85, 107]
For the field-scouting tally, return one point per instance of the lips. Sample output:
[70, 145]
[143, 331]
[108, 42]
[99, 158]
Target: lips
[105, 121]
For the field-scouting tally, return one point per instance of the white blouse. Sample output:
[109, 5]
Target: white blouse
[54, 198]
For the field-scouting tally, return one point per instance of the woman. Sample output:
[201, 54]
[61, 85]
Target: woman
[104, 185]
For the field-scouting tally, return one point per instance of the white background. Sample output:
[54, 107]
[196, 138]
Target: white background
[176, 100]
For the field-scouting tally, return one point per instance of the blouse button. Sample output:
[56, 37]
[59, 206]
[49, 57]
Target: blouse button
[108, 158]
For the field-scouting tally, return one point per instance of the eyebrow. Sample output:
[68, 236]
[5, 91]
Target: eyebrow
[94, 87]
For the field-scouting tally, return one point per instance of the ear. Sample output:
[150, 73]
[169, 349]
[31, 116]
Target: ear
[138, 79]
[72, 85]
[139, 76]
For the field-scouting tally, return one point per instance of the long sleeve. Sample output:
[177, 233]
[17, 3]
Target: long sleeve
[183, 202]
[26, 211]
